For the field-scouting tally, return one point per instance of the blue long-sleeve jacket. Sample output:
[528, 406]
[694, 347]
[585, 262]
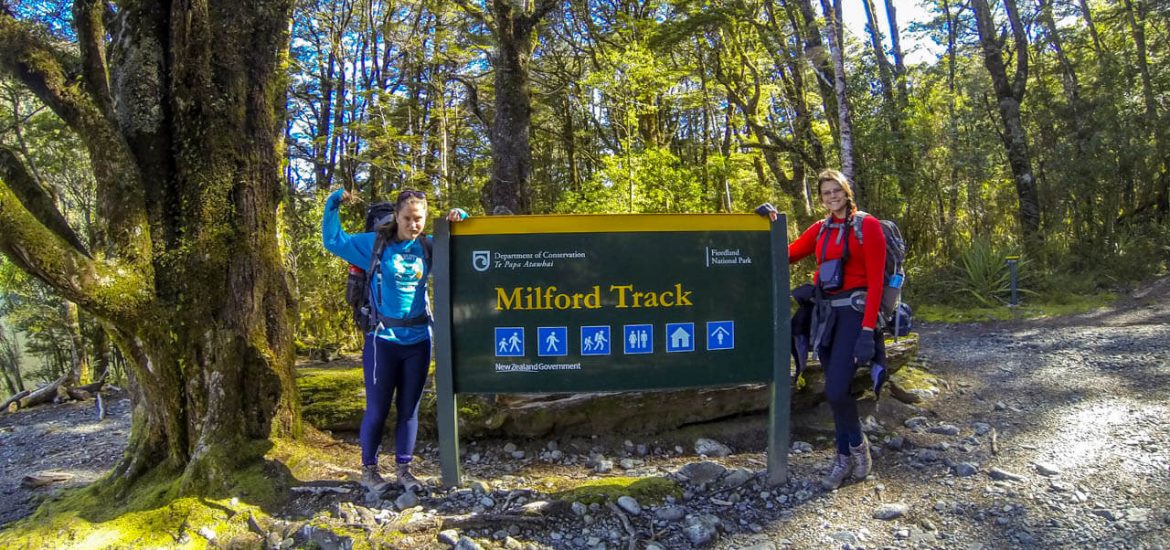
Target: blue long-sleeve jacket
[399, 289]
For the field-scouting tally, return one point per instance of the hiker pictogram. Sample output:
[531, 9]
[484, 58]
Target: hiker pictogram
[552, 341]
[595, 340]
[509, 342]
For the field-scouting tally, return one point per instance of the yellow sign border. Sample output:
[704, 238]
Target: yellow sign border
[608, 223]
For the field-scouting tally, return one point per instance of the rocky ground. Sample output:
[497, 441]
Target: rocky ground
[1045, 433]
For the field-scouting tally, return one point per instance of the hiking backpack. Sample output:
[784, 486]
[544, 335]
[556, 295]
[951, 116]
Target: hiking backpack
[894, 314]
[357, 283]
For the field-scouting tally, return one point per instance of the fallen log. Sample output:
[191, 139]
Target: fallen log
[40, 479]
[43, 394]
[8, 402]
[78, 394]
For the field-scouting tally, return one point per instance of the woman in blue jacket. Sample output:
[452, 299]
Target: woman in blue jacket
[397, 349]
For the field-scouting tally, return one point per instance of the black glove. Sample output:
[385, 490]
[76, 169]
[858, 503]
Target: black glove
[863, 350]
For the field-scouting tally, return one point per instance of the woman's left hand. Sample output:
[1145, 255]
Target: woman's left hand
[456, 215]
[863, 350]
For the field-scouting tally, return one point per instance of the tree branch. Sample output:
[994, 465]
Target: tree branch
[473, 100]
[36, 199]
[120, 190]
[476, 14]
[88, 19]
[113, 291]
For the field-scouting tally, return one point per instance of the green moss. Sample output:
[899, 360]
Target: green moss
[1046, 306]
[149, 517]
[331, 397]
[646, 490]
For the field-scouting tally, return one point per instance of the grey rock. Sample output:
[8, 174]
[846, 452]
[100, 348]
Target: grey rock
[736, 477]
[929, 455]
[845, 537]
[603, 466]
[1046, 469]
[629, 463]
[629, 504]
[480, 487]
[965, 469]
[449, 537]
[207, 533]
[510, 448]
[536, 507]
[654, 546]
[896, 442]
[999, 474]
[699, 533]
[916, 423]
[801, 447]
[702, 472]
[1000, 406]
[710, 447]
[944, 429]
[552, 445]
[556, 454]
[579, 509]
[760, 546]
[670, 513]
[1109, 515]
[642, 449]
[406, 500]
[981, 428]
[517, 455]
[467, 543]
[890, 511]
[1137, 515]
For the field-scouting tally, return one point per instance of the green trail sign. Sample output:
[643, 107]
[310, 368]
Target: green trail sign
[538, 304]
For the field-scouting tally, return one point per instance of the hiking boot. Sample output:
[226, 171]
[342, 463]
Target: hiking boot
[842, 465]
[862, 463]
[407, 480]
[371, 479]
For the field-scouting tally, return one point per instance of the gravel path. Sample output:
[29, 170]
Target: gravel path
[1043, 434]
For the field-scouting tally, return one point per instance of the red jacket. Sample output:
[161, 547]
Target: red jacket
[865, 267]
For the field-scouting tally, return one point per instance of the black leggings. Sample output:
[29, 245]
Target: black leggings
[392, 368]
[836, 355]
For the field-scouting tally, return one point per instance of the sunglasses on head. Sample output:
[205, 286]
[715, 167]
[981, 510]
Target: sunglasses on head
[410, 194]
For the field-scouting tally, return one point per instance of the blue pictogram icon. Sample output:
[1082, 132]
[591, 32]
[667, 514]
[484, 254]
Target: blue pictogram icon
[509, 342]
[720, 335]
[680, 337]
[595, 340]
[552, 341]
[638, 339]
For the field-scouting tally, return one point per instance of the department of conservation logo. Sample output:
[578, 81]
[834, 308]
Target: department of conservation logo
[481, 260]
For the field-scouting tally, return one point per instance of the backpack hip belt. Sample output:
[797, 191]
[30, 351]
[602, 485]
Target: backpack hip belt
[417, 320]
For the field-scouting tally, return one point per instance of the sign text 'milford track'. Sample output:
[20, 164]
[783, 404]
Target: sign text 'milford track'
[624, 296]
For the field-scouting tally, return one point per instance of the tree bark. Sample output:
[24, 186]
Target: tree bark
[191, 285]
[1009, 94]
[514, 29]
[1160, 176]
[844, 119]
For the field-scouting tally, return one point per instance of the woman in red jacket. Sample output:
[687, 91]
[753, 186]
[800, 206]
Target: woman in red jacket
[843, 333]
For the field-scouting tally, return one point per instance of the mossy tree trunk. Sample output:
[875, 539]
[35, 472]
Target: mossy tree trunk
[180, 105]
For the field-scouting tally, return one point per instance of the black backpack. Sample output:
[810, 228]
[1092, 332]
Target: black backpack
[894, 315]
[357, 284]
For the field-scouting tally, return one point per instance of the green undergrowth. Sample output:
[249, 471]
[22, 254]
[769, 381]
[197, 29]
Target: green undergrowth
[1034, 308]
[332, 397]
[646, 490]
